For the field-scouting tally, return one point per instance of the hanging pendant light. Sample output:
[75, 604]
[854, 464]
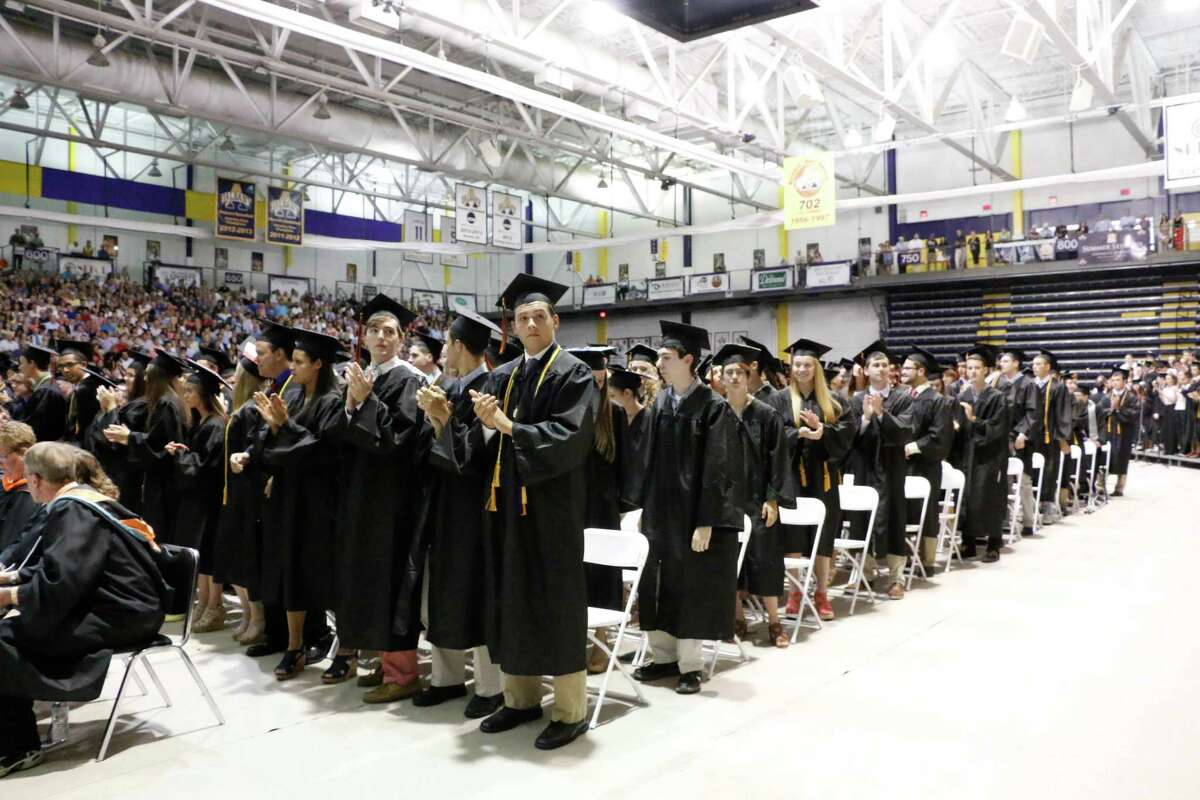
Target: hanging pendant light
[18, 101]
[98, 58]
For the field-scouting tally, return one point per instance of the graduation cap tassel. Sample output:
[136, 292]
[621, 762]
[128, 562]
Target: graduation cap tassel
[491, 503]
[503, 325]
[828, 483]
[225, 490]
[803, 476]
[1046, 413]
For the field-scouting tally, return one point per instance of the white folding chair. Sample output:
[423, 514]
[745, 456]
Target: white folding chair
[1039, 466]
[1076, 471]
[866, 499]
[1090, 450]
[1106, 456]
[916, 488]
[954, 483]
[715, 649]
[848, 479]
[1016, 472]
[798, 572]
[627, 550]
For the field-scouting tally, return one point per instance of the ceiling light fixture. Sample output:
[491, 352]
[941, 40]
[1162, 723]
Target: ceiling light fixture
[98, 58]
[18, 101]
[601, 18]
[154, 172]
[227, 144]
[322, 111]
[853, 138]
[884, 129]
[1015, 111]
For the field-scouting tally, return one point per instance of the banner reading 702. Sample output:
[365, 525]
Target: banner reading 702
[809, 191]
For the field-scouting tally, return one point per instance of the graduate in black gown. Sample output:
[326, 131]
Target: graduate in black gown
[819, 429]
[126, 408]
[761, 369]
[536, 415]
[147, 449]
[761, 455]
[625, 389]
[381, 509]
[17, 505]
[95, 587]
[1018, 391]
[457, 477]
[932, 438]
[298, 448]
[1120, 426]
[877, 460]
[238, 560]
[200, 484]
[46, 409]
[983, 432]
[644, 360]
[1050, 429]
[82, 405]
[691, 513]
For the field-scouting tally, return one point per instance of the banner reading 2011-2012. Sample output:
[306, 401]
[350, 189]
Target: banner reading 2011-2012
[235, 210]
[285, 216]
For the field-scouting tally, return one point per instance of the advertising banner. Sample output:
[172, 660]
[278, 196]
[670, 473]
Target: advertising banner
[834, 273]
[772, 280]
[712, 283]
[79, 266]
[664, 288]
[604, 294]
[423, 298]
[285, 216]
[235, 210]
[459, 301]
[177, 276]
[1111, 247]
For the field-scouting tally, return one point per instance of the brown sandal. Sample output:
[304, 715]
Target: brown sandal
[776, 636]
[740, 629]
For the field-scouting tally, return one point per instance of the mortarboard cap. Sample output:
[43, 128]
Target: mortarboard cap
[766, 361]
[688, 338]
[831, 370]
[94, 378]
[217, 356]
[512, 351]
[594, 356]
[278, 336]
[807, 347]
[738, 354]
[641, 352]
[473, 330]
[40, 356]
[1050, 357]
[1120, 369]
[168, 363]
[624, 379]
[382, 304]
[434, 343]
[984, 352]
[210, 380]
[846, 364]
[84, 349]
[705, 365]
[140, 357]
[319, 346]
[926, 359]
[1015, 352]
[877, 346]
[525, 288]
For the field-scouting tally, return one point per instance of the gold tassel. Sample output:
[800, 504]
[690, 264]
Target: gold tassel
[803, 476]
[828, 483]
[524, 501]
[491, 503]
[1046, 412]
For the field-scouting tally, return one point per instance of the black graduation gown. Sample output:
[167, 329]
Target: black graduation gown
[16, 508]
[45, 412]
[933, 432]
[877, 460]
[985, 463]
[459, 478]
[27, 539]
[199, 480]
[605, 481]
[764, 391]
[814, 467]
[146, 453]
[299, 520]
[691, 482]
[763, 457]
[94, 589]
[1022, 405]
[635, 443]
[115, 458]
[533, 541]
[1052, 417]
[238, 551]
[82, 407]
[1120, 426]
[380, 511]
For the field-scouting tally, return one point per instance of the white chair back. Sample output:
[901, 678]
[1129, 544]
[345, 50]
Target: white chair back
[808, 511]
[607, 548]
[1015, 468]
[1089, 447]
[1076, 452]
[916, 487]
[858, 498]
[631, 520]
[952, 480]
[848, 479]
[1039, 461]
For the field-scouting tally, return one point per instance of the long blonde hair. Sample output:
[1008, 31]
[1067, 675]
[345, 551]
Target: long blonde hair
[830, 407]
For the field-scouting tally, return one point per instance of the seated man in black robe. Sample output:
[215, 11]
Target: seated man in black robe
[95, 587]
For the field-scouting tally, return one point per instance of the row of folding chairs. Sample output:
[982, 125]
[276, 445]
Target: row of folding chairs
[1097, 458]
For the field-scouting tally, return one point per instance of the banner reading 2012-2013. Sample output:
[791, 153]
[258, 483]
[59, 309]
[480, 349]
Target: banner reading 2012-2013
[285, 216]
[235, 210]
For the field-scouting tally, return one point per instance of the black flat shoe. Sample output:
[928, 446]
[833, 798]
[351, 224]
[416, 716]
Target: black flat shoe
[991, 556]
[20, 761]
[656, 672]
[1027, 531]
[558, 734]
[508, 718]
[264, 649]
[689, 683]
[483, 706]
[436, 695]
[291, 665]
[342, 669]
[318, 652]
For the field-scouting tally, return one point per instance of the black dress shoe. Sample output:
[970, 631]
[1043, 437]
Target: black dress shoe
[318, 652]
[991, 556]
[558, 734]
[436, 695]
[508, 718]
[656, 672]
[689, 683]
[482, 705]
[264, 649]
[1027, 531]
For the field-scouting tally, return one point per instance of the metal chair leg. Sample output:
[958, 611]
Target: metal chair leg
[212, 704]
[112, 716]
[158, 684]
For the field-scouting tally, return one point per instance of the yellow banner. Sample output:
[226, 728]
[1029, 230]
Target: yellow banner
[809, 191]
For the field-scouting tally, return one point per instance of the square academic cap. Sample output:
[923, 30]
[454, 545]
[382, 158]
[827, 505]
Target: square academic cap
[278, 336]
[40, 356]
[94, 378]
[473, 330]
[1050, 357]
[320, 346]
[640, 352]
[512, 351]
[624, 379]
[925, 359]
[984, 352]
[525, 288]
[218, 357]
[807, 347]
[211, 381]
[434, 343]
[688, 338]
[168, 363]
[382, 304]
[84, 349]
[737, 354]
[1120, 369]
[594, 357]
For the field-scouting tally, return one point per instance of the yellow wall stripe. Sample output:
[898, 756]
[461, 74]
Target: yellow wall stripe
[201, 206]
